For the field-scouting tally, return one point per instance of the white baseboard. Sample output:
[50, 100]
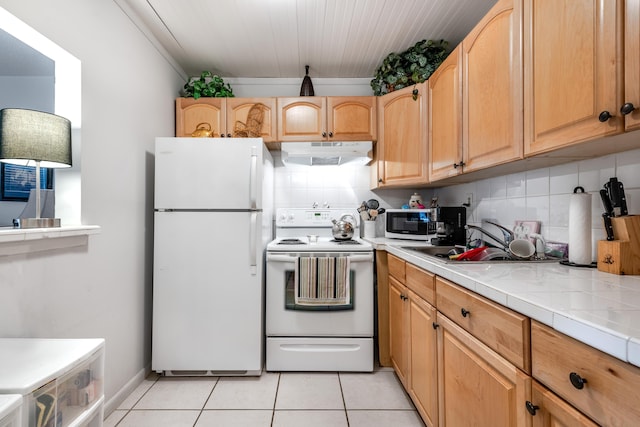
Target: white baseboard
[113, 403]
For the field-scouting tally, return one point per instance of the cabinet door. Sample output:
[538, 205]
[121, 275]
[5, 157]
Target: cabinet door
[445, 118]
[398, 329]
[192, 112]
[351, 118]
[238, 110]
[632, 63]
[477, 386]
[551, 411]
[402, 137]
[572, 74]
[423, 369]
[302, 119]
[492, 68]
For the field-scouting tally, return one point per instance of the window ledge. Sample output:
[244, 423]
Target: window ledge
[14, 241]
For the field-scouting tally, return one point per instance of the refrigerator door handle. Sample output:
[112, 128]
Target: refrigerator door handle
[253, 192]
[253, 245]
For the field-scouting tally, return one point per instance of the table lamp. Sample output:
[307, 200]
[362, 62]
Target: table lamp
[29, 138]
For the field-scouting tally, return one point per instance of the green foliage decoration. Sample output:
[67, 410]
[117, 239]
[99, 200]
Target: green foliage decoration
[208, 85]
[414, 65]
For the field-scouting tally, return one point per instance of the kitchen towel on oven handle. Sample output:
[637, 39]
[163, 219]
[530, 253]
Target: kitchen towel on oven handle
[322, 281]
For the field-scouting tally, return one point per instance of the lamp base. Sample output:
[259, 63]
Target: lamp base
[39, 222]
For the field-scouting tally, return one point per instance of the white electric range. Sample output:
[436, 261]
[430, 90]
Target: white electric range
[324, 334]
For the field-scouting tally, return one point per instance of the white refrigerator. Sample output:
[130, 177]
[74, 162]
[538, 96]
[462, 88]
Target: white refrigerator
[213, 210]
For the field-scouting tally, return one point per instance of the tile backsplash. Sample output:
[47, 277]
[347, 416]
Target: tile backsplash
[541, 194]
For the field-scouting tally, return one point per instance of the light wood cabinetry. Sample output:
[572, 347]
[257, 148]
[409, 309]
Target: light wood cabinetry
[222, 114]
[327, 119]
[600, 386]
[501, 329]
[445, 118]
[237, 110]
[475, 98]
[548, 410]
[493, 96]
[423, 363]
[401, 151]
[476, 385]
[574, 72]
[412, 334]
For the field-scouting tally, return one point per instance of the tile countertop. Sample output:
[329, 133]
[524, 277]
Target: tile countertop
[599, 309]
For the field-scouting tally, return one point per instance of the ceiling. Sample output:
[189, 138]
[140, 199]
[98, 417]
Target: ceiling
[277, 38]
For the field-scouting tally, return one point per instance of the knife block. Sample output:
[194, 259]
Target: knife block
[622, 255]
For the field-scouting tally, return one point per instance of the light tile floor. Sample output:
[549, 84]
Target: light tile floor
[274, 399]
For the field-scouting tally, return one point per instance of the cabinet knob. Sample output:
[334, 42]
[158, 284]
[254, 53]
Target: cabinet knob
[458, 165]
[627, 108]
[531, 408]
[330, 134]
[577, 381]
[464, 312]
[324, 134]
[435, 325]
[604, 116]
[229, 135]
[379, 179]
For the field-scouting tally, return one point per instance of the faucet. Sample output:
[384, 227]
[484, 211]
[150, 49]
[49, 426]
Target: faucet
[504, 242]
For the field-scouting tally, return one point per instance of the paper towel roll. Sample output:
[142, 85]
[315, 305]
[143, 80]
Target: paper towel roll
[580, 227]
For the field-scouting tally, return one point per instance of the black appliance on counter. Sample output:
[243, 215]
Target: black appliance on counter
[441, 226]
[450, 222]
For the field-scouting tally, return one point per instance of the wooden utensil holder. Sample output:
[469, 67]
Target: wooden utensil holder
[621, 255]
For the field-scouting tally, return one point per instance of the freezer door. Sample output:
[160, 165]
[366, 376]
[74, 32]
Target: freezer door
[209, 173]
[207, 297]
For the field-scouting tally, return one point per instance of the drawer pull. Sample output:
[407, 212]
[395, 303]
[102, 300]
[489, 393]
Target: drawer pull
[531, 408]
[577, 381]
[435, 325]
[464, 312]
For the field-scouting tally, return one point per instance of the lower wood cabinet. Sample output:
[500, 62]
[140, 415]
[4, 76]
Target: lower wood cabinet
[423, 365]
[548, 410]
[399, 330]
[602, 387]
[477, 387]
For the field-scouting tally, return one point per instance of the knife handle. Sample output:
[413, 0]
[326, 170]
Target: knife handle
[622, 199]
[608, 226]
[606, 202]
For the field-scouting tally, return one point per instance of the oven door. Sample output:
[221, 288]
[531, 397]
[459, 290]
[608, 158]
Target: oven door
[285, 318]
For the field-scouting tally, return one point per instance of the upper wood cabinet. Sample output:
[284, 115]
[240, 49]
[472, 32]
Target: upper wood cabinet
[632, 65]
[349, 118]
[401, 151]
[475, 97]
[192, 112]
[573, 77]
[222, 114]
[445, 118]
[238, 109]
[493, 94]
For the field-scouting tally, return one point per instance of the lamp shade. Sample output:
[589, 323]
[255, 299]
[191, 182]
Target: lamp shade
[28, 136]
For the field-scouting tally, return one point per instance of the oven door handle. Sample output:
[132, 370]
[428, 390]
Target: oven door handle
[291, 258]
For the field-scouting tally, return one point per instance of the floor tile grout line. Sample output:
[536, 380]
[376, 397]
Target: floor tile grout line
[204, 405]
[275, 399]
[137, 401]
[344, 403]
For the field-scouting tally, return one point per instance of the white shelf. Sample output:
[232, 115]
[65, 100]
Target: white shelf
[14, 241]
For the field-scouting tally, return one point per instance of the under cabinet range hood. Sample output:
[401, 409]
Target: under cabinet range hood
[326, 153]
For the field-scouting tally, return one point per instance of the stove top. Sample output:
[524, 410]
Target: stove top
[307, 244]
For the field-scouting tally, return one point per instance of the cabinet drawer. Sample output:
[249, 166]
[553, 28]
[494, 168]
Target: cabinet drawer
[396, 267]
[610, 394]
[504, 331]
[421, 282]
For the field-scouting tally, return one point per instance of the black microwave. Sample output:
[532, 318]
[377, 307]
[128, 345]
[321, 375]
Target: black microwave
[413, 224]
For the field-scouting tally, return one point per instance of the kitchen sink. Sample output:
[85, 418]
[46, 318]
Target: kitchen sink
[441, 253]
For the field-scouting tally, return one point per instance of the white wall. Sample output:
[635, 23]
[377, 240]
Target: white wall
[102, 290]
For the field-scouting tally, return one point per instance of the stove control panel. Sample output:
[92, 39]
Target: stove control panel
[300, 217]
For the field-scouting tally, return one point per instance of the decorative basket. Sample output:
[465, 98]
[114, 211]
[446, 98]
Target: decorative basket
[252, 128]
